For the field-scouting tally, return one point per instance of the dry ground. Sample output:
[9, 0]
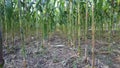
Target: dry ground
[58, 54]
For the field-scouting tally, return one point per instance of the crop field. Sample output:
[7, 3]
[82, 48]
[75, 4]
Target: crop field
[60, 34]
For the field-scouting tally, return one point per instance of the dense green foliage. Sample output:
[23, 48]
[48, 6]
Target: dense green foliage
[107, 12]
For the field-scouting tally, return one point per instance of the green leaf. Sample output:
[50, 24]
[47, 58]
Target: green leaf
[9, 8]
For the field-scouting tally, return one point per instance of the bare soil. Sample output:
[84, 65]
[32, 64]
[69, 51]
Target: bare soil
[55, 53]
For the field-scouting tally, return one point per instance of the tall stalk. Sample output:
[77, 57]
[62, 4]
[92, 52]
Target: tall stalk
[37, 27]
[74, 30]
[75, 26]
[93, 37]
[43, 32]
[86, 46]
[12, 30]
[22, 34]
[70, 22]
[5, 22]
[1, 48]
[78, 26]
[110, 29]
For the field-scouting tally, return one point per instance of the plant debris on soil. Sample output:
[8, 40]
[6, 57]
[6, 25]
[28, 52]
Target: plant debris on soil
[56, 54]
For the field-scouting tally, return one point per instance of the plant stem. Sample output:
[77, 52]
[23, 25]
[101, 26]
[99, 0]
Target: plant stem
[93, 37]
